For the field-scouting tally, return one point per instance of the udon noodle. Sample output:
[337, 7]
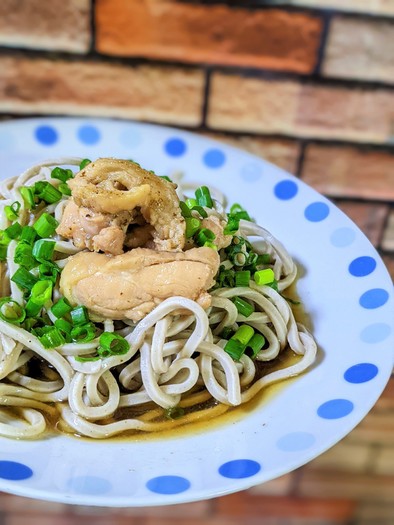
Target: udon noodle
[175, 370]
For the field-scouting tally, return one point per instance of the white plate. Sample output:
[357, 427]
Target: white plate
[344, 286]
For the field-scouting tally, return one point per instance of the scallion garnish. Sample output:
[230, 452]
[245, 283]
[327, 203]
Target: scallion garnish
[28, 197]
[32, 308]
[79, 315]
[227, 332]
[256, 343]
[263, 277]
[243, 307]
[203, 236]
[24, 279]
[191, 203]
[63, 325]
[112, 344]
[65, 189]
[12, 211]
[200, 210]
[192, 226]
[14, 230]
[244, 334]
[84, 163]
[83, 333]
[24, 255]
[4, 238]
[86, 359]
[48, 271]
[45, 225]
[43, 250]
[41, 292]
[203, 197]
[11, 311]
[185, 211]
[28, 234]
[61, 308]
[161, 176]
[62, 174]
[242, 278]
[175, 412]
[48, 193]
[52, 338]
[235, 349]
[3, 253]
[210, 244]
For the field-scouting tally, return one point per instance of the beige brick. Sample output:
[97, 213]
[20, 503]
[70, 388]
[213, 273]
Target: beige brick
[55, 25]
[304, 110]
[361, 49]
[346, 485]
[372, 513]
[385, 461]
[383, 7]
[277, 487]
[199, 509]
[346, 456]
[388, 238]
[377, 428]
[161, 94]
[12, 504]
[369, 217]
[349, 171]
[281, 152]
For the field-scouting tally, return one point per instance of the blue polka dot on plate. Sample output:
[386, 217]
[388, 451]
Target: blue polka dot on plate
[374, 298]
[361, 373]
[362, 266]
[168, 484]
[14, 471]
[342, 237]
[89, 485]
[239, 468]
[375, 333]
[296, 441]
[335, 409]
[175, 147]
[285, 190]
[214, 158]
[89, 135]
[46, 135]
[316, 211]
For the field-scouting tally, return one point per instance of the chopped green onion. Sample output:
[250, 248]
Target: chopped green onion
[264, 276]
[242, 215]
[227, 332]
[162, 176]
[243, 307]
[52, 338]
[14, 230]
[235, 349]
[11, 311]
[84, 163]
[175, 412]
[43, 250]
[112, 344]
[29, 323]
[191, 203]
[79, 315]
[24, 255]
[200, 210]
[83, 333]
[4, 238]
[41, 292]
[47, 192]
[240, 258]
[63, 325]
[232, 226]
[192, 226]
[61, 174]
[256, 343]
[64, 188]
[3, 253]
[184, 210]
[203, 236]
[274, 285]
[83, 359]
[28, 197]
[61, 308]
[203, 197]
[28, 234]
[48, 271]
[210, 244]
[24, 279]
[45, 225]
[12, 211]
[235, 208]
[244, 334]
[242, 278]
[32, 308]
[263, 258]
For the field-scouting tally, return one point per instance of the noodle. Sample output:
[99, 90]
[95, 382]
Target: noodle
[175, 359]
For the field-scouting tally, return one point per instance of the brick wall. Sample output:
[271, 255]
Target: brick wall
[306, 84]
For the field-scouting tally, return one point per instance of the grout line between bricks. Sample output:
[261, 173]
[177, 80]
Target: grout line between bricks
[301, 158]
[323, 43]
[207, 88]
[92, 25]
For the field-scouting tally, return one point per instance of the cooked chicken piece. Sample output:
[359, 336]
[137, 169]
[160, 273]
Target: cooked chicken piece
[130, 285]
[120, 193]
[217, 225]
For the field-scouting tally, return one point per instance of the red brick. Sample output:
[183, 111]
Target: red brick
[305, 110]
[349, 171]
[161, 94]
[360, 49]
[281, 152]
[369, 217]
[54, 25]
[169, 29]
[243, 505]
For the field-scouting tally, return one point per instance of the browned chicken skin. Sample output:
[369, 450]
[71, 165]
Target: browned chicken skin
[129, 286]
[115, 203]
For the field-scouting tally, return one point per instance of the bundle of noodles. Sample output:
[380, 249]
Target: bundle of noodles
[126, 306]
